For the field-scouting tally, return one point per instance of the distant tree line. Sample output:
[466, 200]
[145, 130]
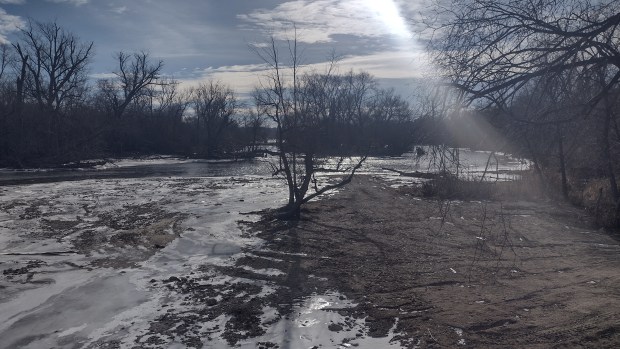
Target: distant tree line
[342, 114]
[544, 76]
[52, 112]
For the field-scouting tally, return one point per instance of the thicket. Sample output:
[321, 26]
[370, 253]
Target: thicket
[543, 78]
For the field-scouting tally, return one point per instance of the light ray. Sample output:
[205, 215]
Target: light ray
[388, 13]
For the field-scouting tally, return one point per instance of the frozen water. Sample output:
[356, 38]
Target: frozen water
[61, 306]
[63, 301]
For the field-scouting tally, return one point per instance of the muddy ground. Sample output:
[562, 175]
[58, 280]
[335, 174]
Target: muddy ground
[370, 266]
[458, 273]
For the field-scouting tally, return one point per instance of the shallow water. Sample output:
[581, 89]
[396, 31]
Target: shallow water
[471, 165]
[170, 168]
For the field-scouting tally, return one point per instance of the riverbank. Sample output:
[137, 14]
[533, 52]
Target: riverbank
[161, 262]
[433, 273]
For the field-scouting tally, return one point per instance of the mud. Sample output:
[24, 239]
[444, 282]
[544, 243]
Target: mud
[180, 262]
[460, 273]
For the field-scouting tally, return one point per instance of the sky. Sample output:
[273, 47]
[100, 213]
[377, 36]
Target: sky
[200, 40]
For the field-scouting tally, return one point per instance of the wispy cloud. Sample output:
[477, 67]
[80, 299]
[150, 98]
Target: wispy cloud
[8, 24]
[388, 65]
[379, 37]
[21, 2]
[72, 2]
[102, 76]
[242, 78]
[319, 20]
[119, 9]
[12, 2]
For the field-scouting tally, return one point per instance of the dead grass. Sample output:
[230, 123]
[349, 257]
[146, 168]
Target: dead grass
[593, 195]
[528, 187]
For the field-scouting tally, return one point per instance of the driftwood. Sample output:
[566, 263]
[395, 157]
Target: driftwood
[415, 174]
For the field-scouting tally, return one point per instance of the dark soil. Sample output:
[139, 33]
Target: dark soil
[458, 273]
[471, 274]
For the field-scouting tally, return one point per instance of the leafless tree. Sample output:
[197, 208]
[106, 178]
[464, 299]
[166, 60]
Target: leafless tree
[491, 49]
[297, 104]
[56, 62]
[7, 100]
[214, 106]
[497, 50]
[53, 65]
[254, 123]
[134, 74]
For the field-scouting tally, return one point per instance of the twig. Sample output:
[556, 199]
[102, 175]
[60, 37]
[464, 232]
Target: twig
[430, 334]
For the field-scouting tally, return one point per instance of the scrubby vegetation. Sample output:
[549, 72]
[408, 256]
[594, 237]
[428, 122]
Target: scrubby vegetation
[540, 79]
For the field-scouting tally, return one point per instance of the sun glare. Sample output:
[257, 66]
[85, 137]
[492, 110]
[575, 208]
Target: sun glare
[388, 13]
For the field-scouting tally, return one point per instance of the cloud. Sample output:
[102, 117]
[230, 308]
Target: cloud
[379, 37]
[72, 2]
[388, 65]
[319, 20]
[12, 2]
[98, 76]
[119, 9]
[242, 78]
[8, 24]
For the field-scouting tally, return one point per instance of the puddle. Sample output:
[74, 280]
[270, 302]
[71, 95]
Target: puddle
[317, 322]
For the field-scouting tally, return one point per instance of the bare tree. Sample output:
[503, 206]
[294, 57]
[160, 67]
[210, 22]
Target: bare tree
[564, 52]
[7, 100]
[166, 106]
[491, 49]
[53, 64]
[253, 125]
[214, 105]
[135, 73]
[56, 63]
[297, 104]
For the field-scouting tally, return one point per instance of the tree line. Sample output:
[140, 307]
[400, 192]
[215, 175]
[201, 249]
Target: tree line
[52, 112]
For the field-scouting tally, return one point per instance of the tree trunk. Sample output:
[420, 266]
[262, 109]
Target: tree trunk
[562, 162]
[609, 164]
